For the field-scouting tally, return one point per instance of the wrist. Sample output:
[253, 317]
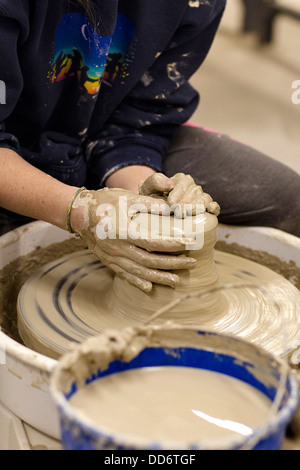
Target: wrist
[76, 220]
[75, 214]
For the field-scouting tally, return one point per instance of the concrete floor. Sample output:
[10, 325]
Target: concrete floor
[246, 88]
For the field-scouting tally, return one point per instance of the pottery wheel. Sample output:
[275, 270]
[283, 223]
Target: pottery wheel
[71, 299]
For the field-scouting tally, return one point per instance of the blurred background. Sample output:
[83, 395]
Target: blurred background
[246, 81]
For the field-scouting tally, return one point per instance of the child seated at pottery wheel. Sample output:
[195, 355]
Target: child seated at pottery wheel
[96, 105]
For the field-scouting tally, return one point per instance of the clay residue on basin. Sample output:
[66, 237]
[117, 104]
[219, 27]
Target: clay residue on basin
[14, 275]
[289, 270]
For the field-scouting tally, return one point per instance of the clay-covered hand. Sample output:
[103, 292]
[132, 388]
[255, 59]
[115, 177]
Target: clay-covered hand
[181, 192]
[105, 217]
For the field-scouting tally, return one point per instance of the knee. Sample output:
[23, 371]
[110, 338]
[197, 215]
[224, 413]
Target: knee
[288, 205]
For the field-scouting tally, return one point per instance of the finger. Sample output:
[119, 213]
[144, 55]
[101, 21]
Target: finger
[142, 272]
[191, 202]
[157, 183]
[142, 284]
[207, 199]
[161, 261]
[192, 194]
[149, 260]
[179, 177]
[151, 275]
[196, 201]
[182, 183]
[148, 204]
[164, 245]
[214, 208]
[209, 204]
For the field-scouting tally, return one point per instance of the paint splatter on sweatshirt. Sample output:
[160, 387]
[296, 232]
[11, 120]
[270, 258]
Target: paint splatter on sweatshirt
[85, 96]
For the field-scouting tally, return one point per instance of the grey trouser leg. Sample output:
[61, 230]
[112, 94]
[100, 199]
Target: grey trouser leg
[251, 188]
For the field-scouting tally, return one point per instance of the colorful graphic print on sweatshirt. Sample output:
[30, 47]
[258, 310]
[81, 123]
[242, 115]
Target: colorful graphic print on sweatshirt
[83, 55]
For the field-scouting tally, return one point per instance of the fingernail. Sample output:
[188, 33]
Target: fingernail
[192, 261]
[175, 280]
[146, 286]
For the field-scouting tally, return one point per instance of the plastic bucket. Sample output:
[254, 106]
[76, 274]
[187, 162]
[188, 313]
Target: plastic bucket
[171, 346]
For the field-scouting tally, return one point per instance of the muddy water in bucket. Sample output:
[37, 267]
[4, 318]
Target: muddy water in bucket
[172, 402]
[172, 388]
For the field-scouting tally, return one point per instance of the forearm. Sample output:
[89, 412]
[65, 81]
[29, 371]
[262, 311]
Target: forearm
[28, 191]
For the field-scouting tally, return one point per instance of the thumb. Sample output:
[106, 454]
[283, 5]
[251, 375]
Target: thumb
[156, 183]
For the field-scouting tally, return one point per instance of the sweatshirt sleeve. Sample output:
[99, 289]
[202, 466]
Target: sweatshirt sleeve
[10, 76]
[140, 129]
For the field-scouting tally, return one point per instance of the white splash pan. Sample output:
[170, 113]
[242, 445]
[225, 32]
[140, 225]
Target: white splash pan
[25, 374]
